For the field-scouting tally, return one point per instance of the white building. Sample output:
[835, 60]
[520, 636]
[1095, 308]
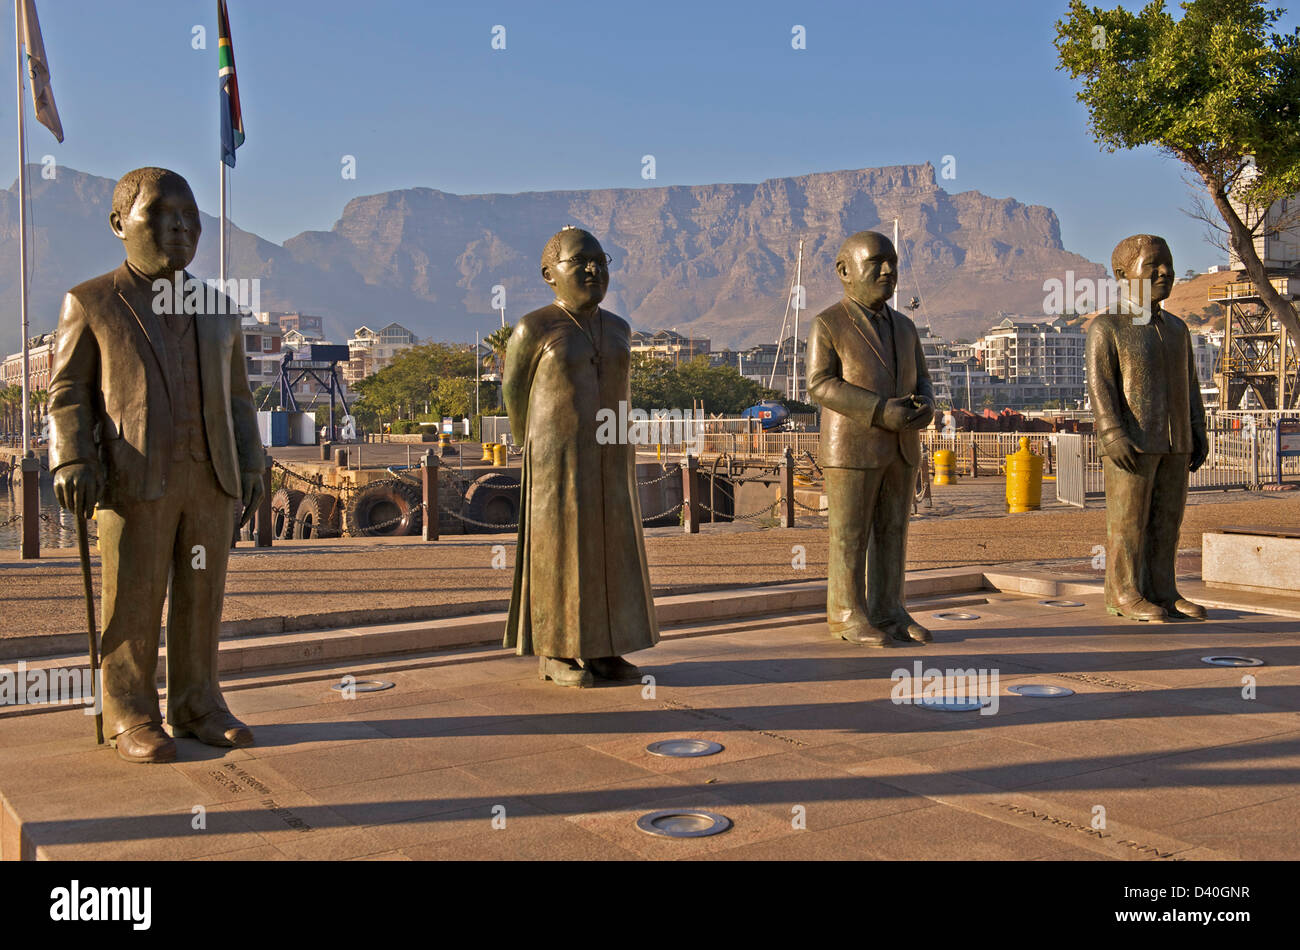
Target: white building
[669, 344]
[1044, 356]
[372, 350]
[937, 355]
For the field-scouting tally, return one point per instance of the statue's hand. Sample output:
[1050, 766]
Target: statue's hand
[76, 487]
[1124, 454]
[897, 413]
[253, 492]
[923, 413]
[1200, 451]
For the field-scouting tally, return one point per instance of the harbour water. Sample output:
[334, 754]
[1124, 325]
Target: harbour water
[58, 527]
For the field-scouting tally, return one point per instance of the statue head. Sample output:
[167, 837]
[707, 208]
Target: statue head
[156, 218]
[576, 268]
[867, 265]
[1142, 258]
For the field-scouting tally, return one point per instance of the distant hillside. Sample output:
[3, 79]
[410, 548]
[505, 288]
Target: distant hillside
[713, 260]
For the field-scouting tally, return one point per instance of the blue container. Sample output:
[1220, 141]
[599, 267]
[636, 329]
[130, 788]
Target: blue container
[771, 414]
[274, 426]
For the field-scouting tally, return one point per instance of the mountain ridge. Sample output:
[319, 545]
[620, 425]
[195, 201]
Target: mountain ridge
[713, 260]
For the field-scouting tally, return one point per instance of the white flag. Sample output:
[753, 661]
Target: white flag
[38, 69]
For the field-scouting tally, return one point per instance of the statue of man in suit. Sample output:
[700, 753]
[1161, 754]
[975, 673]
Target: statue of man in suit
[154, 422]
[867, 371]
[1146, 400]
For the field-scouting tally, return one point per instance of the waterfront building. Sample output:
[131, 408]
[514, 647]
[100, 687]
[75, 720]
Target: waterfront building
[372, 350]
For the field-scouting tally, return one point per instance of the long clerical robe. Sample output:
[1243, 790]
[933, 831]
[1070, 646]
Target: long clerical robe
[582, 586]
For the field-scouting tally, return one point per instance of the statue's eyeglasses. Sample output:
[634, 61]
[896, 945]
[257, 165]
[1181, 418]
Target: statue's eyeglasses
[603, 260]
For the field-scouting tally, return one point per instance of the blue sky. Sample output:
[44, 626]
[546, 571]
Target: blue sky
[581, 92]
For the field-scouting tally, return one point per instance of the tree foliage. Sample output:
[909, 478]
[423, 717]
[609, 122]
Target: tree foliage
[433, 374]
[1216, 89]
[658, 383]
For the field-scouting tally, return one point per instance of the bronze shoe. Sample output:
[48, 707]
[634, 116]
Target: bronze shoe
[867, 636]
[612, 668]
[217, 728]
[1140, 609]
[1184, 609]
[145, 743]
[563, 672]
[906, 630]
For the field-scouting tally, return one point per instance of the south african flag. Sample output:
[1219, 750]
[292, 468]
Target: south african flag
[232, 119]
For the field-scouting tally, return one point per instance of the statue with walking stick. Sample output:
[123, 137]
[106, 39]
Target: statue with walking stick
[153, 422]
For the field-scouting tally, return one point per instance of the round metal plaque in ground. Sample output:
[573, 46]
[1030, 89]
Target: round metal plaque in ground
[1229, 660]
[683, 748]
[1061, 603]
[362, 686]
[950, 703]
[1040, 690]
[683, 823]
[956, 615]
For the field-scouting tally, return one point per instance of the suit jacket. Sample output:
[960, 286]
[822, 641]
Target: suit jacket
[109, 393]
[1142, 382]
[849, 377]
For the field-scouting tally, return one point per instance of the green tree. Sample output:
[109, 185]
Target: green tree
[496, 341]
[411, 380]
[1217, 89]
[266, 397]
[658, 383]
[11, 398]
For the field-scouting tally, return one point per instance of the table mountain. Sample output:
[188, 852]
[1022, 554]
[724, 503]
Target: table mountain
[714, 260]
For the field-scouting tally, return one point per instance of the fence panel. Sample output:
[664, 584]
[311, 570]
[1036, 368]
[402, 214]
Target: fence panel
[1070, 487]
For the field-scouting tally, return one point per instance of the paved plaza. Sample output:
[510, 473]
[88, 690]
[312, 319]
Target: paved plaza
[1156, 756]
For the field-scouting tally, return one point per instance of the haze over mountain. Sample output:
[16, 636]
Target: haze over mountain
[714, 260]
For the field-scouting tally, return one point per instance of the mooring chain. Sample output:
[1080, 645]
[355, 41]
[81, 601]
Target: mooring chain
[481, 524]
[767, 510]
[669, 473]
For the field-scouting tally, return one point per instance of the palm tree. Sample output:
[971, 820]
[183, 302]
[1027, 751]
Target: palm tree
[40, 400]
[10, 400]
[497, 341]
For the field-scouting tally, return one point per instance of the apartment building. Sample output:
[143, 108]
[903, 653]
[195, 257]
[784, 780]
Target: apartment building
[372, 350]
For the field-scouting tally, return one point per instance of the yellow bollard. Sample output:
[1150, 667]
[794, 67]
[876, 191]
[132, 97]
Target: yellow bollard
[1024, 480]
[945, 467]
[498, 454]
[487, 452]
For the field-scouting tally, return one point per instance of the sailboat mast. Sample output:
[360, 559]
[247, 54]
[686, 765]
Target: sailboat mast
[776, 358]
[798, 292]
[894, 302]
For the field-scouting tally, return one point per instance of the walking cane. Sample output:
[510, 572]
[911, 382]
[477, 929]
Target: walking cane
[83, 548]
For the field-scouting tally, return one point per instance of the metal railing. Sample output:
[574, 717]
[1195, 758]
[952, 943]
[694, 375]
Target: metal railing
[984, 453]
[1239, 458]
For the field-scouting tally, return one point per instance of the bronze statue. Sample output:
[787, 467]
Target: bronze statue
[582, 594]
[1146, 399]
[154, 422]
[867, 371]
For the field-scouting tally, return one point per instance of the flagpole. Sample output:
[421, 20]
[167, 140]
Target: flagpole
[22, 230]
[221, 233]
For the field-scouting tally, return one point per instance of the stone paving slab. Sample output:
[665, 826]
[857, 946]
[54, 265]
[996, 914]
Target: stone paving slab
[471, 757]
[312, 585]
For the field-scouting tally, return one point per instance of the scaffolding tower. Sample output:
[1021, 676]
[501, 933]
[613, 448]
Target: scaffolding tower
[1259, 357]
